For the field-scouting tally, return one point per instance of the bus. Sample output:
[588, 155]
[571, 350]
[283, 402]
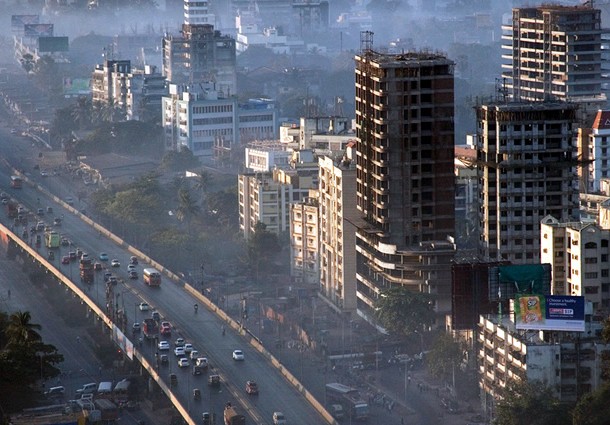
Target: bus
[349, 398]
[152, 277]
[16, 182]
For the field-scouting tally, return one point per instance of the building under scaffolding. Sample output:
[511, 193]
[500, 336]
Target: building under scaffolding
[526, 164]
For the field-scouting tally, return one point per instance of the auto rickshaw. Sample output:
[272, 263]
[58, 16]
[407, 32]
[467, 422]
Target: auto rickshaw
[196, 394]
[51, 256]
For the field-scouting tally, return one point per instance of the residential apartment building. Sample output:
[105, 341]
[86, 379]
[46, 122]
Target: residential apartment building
[594, 150]
[264, 156]
[526, 171]
[266, 198]
[109, 83]
[405, 184]
[580, 255]
[200, 54]
[554, 53]
[338, 218]
[196, 12]
[145, 90]
[304, 241]
[570, 367]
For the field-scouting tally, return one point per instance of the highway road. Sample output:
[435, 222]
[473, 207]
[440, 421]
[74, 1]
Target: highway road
[202, 329]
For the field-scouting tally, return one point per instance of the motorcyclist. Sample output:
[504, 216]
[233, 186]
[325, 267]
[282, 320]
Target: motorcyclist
[223, 330]
[196, 307]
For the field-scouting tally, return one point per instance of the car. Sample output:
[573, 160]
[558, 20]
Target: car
[113, 280]
[57, 221]
[65, 259]
[251, 387]
[107, 276]
[163, 346]
[44, 173]
[49, 210]
[214, 380]
[84, 256]
[188, 348]
[165, 330]
[166, 326]
[4, 201]
[69, 200]
[179, 342]
[179, 352]
[4, 195]
[72, 255]
[164, 359]
[133, 274]
[183, 362]
[55, 392]
[137, 327]
[79, 252]
[279, 418]
[133, 260]
[40, 226]
[97, 267]
[40, 212]
[194, 355]
[173, 379]
[65, 241]
[131, 268]
[238, 355]
[202, 362]
[155, 316]
[115, 263]
[144, 306]
[196, 370]
[206, 418]
[103, 256]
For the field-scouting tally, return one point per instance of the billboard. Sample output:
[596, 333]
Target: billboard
[77, 86]
[550, 313]
[18, 21]
[38, 30]
[53, 44]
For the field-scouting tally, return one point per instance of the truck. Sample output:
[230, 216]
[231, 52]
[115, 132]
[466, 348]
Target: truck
[232, 417]
[51, 239]
[349, 398]
[86, 270]
[109, 410]
[11, 209]
[151, 328]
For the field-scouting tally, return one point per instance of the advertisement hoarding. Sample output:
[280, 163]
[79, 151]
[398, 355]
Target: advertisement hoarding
[38, 30]
[53, 44]
[550, 312]
[18, 21]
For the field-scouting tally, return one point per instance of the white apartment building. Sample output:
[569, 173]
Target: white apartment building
[264, 156]
[304, 241]
[579, 253]
[196, 12]
[597, 152]
[266, 198]
[197, 117]
[570, 367]
[338, 213]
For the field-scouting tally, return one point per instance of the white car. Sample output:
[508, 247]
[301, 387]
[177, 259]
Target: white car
[194, 354]
[115, 263]
[131, 268]
[202, 362]
[279, 418]
[188, 348]
[144, 306]
[179, 352]
[163, 345]
[183, 362]
[238, 355]
[179, 342]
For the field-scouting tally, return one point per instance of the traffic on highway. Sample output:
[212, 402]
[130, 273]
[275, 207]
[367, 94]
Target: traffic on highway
[206, 365]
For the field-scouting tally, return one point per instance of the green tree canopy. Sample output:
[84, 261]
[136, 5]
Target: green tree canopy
[530, 403]
[444, 358]
[404, 312]
[262, 247]
[179, 161]
[593, 408]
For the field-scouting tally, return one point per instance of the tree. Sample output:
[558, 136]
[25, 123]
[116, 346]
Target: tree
[444, 358]
[20, 330]
[530, 403]
[82, 112]
[404, 312]
[593, 408]
[27, 62]
[202, 183]
[262, 245]
[187, 208]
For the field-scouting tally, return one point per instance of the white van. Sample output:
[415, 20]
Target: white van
[55, 392]
[87, 388]
[104, 388]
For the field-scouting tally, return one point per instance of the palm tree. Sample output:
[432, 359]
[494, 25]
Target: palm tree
[187, 208]
[202, 184]
[81, 112]
[20, 330]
